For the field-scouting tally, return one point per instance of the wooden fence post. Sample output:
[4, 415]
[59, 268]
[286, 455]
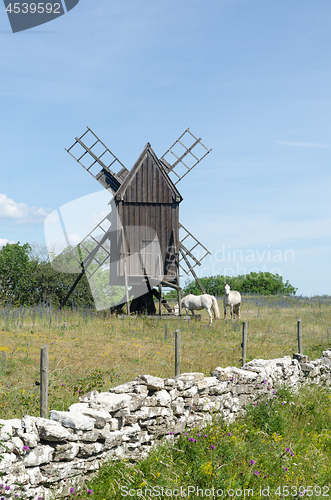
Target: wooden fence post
[244, 342]
[177, 352]
[44, 362]
[300, 336]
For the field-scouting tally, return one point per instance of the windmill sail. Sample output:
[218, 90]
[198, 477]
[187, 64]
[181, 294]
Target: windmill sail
[95, 155]
[173, 159]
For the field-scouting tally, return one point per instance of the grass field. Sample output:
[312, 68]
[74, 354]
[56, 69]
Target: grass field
[89, 350]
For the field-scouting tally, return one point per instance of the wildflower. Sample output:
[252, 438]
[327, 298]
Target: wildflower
[256, 472]
[283, 402]
[252, 462]
[286, 469]
[206, 435]
[186, 434]
[89, 492]
[273, 392]
[72, 490]
[288, 450]
[255, 403]
[7, 487]
[26, 448]
[171, 433]
[266, 403]
[264, 381]
[212, 447]
[229, 434]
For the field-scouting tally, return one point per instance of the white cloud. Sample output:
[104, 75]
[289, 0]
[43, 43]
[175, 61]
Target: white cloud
[21, 213]
[4, 241]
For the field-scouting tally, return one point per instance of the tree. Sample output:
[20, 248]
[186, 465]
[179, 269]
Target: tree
[17, 274]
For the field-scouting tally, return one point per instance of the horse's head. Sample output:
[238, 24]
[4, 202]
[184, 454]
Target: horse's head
[227, 289]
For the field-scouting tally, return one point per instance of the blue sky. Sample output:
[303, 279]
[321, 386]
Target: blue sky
[252, 78]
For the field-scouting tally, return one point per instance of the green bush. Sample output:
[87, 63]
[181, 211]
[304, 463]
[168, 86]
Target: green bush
[261, 283]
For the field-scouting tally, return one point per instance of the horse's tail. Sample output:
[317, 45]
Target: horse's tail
[215, 307]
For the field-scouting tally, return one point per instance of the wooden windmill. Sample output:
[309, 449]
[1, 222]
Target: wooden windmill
[138, 242]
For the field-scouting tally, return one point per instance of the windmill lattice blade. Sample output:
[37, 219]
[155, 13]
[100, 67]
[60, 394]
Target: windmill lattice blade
[92, 154]
[183, 147]
[191, 244]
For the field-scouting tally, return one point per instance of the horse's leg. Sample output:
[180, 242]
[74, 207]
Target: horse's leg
[210, 314]
[231, 310]
[224, 312]
[238, 311]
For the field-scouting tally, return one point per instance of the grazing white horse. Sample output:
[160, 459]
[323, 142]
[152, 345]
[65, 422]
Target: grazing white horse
[197, 302]
[233, 300]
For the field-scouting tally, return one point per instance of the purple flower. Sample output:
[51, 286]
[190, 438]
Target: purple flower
[256, 472]
[252, 462]
[229, 434]
[264, 381]
[1, 485]
[273, 392]
[292, 454]
[186, 434]
[266, 403]
[171, 433]
[7, 487]
[206, 436]
[89, 492]
[212, 447]
[288, 450]
[72, 490]
[286, 469]
[26, 448]
[255, 403]
[199, 435]
[283, 402]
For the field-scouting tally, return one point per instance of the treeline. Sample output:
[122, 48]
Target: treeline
[260, 283]
[28, 278]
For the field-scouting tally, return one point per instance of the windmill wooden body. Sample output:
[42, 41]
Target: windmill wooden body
[139, 240]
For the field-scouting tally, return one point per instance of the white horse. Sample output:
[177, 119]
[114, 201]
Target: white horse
[197, 302]
[233, 300]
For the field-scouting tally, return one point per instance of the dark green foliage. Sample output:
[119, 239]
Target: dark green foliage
[52, 286]
[27, 280]
[261, 283]
[17, 274]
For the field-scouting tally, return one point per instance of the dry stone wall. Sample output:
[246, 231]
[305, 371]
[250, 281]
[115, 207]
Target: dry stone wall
[42, 458]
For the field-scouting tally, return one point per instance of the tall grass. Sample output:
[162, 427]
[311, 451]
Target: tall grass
[90, 350]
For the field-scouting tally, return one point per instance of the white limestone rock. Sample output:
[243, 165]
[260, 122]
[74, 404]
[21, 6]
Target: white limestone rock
[72, 420]
[79, 407]
[51, 430]
[124, 388]
[7, 460]
[41, 454]
[111, 402]
[163, 398]
[152, 383]
[66, 452]
[8, 427]
[100, 416]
